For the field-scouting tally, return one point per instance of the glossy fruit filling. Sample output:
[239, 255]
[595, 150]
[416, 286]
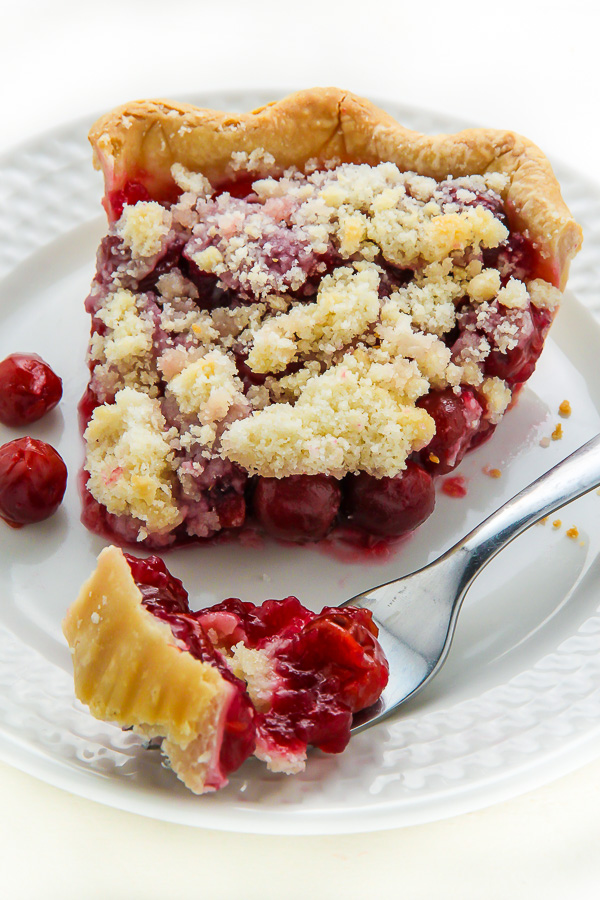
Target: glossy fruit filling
[317, 670]
[219, 497]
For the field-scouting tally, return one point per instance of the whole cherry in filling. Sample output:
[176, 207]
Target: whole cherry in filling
[297, 508]
[517, 365]
[33, 478]
[390, 507]
[28, 389]
[457, 418]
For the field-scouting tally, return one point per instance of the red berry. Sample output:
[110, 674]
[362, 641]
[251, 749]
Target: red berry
[297, 508]
[457, 418]
[390, 507]
[33, 478]
[28, 389]
[341, 643]
[517, 365]
[130, 194]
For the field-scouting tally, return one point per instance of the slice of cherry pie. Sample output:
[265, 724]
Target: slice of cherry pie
[222, 683]
[301, 315]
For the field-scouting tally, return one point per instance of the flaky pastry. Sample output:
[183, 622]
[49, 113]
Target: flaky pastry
[146, 137]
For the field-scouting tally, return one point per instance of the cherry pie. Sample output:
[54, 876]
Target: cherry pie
[222, 683]
[302, 315]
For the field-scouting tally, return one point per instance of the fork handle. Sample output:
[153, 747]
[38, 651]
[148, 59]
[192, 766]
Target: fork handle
[574, 476]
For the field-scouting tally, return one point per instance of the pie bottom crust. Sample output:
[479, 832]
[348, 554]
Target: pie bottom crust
[129, 669]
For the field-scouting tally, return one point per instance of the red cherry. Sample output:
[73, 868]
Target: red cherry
[390, 507]
[28, 389]
[33, 478]
[157, 584]
[342, 644]
[297, 508]
[517, 365]
[457, 418]
[130, 194]
[516, 257]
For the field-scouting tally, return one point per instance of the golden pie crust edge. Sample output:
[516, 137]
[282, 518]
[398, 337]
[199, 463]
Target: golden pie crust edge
[147, 136]
[128, 667]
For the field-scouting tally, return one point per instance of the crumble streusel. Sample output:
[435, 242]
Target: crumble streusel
[297, 327]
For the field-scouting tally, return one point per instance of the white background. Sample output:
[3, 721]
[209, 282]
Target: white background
[530, 67]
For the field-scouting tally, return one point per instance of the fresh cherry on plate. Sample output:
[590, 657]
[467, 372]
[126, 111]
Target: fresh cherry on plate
[33, 478]
[28, 389]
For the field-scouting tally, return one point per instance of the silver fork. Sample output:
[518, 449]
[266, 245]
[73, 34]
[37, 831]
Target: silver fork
[417, 614]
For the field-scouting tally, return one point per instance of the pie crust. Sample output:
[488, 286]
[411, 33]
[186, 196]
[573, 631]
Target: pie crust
[148, 137]
[143, 681]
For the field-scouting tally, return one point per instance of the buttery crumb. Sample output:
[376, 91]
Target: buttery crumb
[130, 462]
[143, 228]
[572, 533]
[492, 472]
[565, 409]
[557, 433]
[557, 523]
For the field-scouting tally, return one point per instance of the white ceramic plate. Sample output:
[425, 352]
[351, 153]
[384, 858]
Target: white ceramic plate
[518, 702]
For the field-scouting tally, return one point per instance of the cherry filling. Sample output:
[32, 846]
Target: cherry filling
[515, 257]
[390, 507]
[323, 667]
[457, 418]
[210, 295]
[130, 194]
[165, 597]
[326, 667]
[297, 508]
[518, 364]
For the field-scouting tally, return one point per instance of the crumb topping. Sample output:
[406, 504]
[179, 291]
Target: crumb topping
[207, 387]
[292, 330]
[257, 669]
[497, 395]
[353, 417]
[144, 227]
[544, 295]
[130, 462]
[122, 353]
[347, 304]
